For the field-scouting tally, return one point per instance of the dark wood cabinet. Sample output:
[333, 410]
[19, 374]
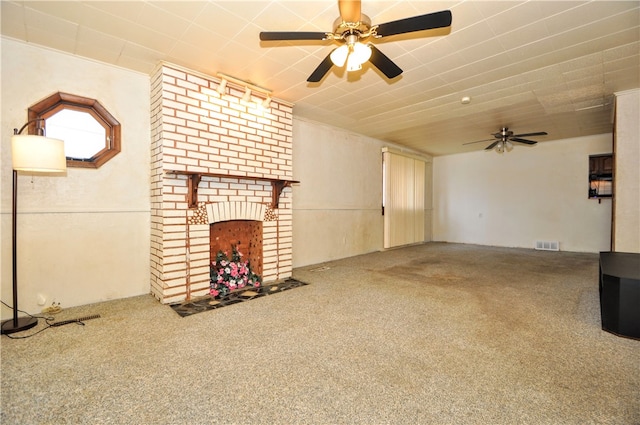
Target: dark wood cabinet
[601, 165]
[620, 293]
[601, 176]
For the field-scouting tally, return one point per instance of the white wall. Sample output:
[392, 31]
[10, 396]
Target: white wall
[337, 207]
[82, 237]
[627, 172]
[528, 194]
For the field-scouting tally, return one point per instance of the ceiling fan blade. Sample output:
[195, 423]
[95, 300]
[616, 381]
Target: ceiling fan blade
[291, 35]
[321, 70]
[525, 141]
[477, 141]
[383, 63]
[416, 23]
[350, 10]
[541, 133]
[492, 145]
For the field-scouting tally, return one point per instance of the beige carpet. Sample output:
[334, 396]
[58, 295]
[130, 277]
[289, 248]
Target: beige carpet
[430, 334]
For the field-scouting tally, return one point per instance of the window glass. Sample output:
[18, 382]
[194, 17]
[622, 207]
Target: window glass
[83, 136]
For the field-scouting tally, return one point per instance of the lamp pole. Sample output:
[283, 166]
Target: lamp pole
[29, 153]
[16, 324]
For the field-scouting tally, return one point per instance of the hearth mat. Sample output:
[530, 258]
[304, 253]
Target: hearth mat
[188, 308]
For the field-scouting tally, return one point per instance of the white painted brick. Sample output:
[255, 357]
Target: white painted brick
[218, 130]
[188, 85]
[166, 80]
[168, 71]
[229, 167]
[197, 81]
[198, 111]
[187, 161]
[254, 138]
[229, 125]
[200, 255]
[189, 101]
[187, 115]
[174, 286]
[230, 112]
[169, 105]
[202, 126]
[174, 120]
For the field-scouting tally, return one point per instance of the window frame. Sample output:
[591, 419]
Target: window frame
[61, 101]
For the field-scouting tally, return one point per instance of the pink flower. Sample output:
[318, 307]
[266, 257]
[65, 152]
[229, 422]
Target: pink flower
[214, 292]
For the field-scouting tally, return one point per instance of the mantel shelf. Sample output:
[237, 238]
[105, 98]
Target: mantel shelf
[277, 185]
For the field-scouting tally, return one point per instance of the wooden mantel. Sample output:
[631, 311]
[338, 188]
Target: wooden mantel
[277, 185]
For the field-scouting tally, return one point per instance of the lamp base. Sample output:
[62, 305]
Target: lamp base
[23, 323]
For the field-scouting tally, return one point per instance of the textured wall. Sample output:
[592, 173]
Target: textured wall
[516, 198]
[83, 237]
[337, 207]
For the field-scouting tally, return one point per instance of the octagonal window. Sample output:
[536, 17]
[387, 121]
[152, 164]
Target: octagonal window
[91, 134]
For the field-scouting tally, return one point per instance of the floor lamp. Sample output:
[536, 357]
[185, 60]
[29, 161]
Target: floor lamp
[32, 153]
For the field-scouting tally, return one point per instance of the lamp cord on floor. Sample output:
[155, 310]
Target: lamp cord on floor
[49, 320]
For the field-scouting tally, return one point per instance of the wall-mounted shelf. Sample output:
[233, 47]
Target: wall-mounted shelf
[193, 180]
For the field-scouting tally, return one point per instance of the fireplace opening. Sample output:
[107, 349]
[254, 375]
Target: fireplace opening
[245, 235]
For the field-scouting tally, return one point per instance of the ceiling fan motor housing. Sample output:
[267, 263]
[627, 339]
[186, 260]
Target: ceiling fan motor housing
[504, 134]
[361, 28]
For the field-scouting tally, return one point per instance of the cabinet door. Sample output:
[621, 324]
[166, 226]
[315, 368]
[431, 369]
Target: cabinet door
[594, 164]
[607, 164]
[601, 164]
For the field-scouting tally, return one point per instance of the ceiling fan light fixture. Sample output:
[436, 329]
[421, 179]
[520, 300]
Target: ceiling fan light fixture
[508, 146]
[354, 54]
[362, 52]
[339, 55]
[353, 64]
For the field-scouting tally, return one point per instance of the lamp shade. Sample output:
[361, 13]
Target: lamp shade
[38, 153]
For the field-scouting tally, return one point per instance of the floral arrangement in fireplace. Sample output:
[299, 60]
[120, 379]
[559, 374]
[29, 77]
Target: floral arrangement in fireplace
[232, 273]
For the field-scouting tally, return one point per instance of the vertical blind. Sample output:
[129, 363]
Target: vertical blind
[403, 199]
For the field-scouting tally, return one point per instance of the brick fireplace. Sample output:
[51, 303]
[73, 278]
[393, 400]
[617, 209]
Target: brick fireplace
[221, 175]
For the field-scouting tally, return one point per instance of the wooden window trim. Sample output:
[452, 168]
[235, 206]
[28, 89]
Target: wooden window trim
[60, 101]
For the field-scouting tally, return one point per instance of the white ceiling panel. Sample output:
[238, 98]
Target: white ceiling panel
[531, 65]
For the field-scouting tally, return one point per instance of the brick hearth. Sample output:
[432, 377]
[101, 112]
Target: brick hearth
[196, 130]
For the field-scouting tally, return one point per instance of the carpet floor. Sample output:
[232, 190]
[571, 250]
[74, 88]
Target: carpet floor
[428, 334]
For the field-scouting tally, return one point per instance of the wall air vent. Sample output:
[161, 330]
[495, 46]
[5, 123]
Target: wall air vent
[548, 245]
